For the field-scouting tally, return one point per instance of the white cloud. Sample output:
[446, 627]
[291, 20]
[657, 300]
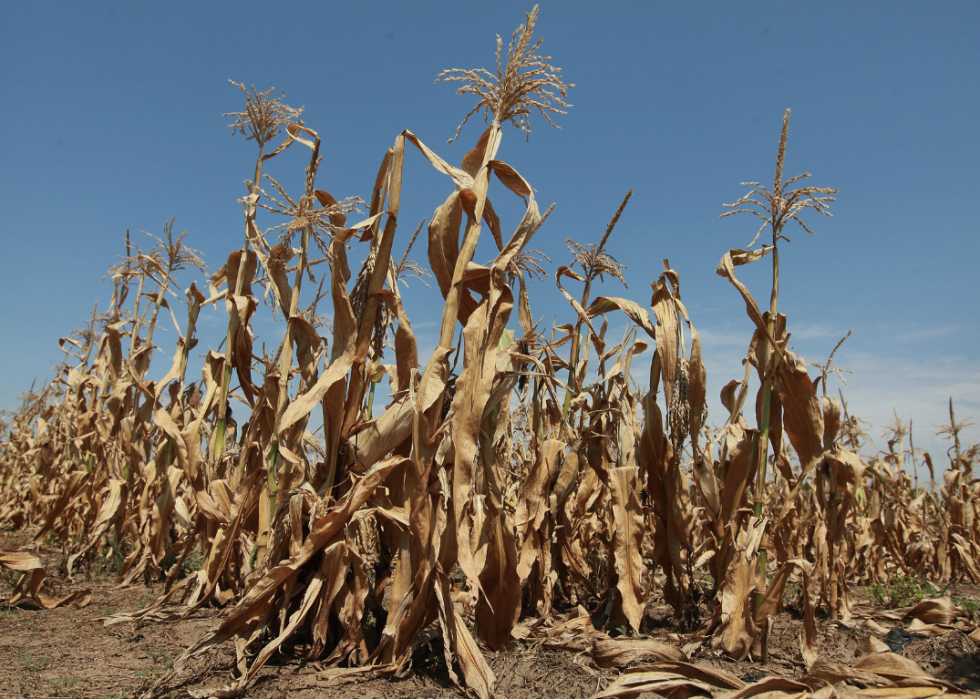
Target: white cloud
[804, 331]
[712, 338]
[918, 390]
[908, 334]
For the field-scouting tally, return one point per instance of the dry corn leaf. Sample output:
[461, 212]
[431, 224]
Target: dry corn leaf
[32, 580]
[72, 489]
[621, 651]
[228, 274]
[666, 684]
[893, 692]
[871, 644]
[802, 414]
[726, 269]
[890, 665]
[476, 671]
[712, 676]
[634, 311]
[835, 672]
[737, 630]
[533, 505]
[772, 687]
[627, 542]
[940, 610]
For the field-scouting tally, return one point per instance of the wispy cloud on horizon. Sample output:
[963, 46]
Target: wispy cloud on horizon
[884, 386]
[810, 332]
[909, 334]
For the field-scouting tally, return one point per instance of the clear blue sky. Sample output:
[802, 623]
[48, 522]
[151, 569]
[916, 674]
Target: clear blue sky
[111, 116]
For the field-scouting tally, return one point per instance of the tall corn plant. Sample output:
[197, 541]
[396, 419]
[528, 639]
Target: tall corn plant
[262, 121]
[595, 263]
[963, 501]
[794, 408]
[524, 84]
[315, 223]
[660, 446]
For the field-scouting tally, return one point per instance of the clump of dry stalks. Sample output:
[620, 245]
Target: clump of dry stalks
[490, 500]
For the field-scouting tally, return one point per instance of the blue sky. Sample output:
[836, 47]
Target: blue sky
[111, 119]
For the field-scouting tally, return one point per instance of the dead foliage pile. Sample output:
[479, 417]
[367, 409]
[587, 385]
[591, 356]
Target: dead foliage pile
[515, 475]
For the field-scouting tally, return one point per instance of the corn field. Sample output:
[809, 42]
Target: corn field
[515, 486]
